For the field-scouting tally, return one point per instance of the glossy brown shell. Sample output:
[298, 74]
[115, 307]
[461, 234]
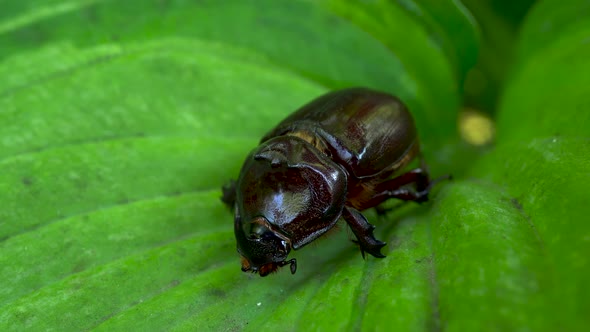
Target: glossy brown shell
[294, 186]
[367, 132]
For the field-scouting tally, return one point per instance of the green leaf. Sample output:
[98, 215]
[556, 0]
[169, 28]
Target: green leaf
[546, 95]
[549, 21]
[121, 120]
[519, 218]
[511, 241]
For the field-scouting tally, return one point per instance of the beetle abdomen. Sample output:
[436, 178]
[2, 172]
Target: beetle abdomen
[366, 131]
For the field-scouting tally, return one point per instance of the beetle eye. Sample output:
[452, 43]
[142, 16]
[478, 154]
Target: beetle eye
[257, 231]
[267, 236]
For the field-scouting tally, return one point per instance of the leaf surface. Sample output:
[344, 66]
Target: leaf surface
[121, 120]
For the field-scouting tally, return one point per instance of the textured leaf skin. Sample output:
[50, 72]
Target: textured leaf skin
[120, 121]
[525, 233]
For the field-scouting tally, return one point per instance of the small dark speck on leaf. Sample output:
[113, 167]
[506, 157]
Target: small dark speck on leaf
[516, 204]
[427, 259]
[27, 181]
[216, 292]
[79, 267]
[91, 14]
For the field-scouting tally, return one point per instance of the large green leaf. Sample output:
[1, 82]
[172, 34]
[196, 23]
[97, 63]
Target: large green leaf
[120, 121]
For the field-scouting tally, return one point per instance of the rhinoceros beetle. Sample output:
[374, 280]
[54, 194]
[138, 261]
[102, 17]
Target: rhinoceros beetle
[337, 155]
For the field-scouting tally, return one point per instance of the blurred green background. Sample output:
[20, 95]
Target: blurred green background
[120, 121]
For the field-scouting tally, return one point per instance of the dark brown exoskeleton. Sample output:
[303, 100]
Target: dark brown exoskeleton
[340, 154]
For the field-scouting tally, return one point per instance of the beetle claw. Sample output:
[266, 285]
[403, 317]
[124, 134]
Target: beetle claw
[363, 231]
[360, 247]
[374, 249]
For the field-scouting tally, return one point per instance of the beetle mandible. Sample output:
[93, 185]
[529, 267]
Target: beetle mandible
[339, 154]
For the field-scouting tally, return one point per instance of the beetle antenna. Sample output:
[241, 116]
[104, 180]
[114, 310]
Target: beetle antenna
[293, 266]
[292, 262]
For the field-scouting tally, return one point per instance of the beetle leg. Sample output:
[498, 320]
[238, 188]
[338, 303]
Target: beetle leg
[420, 196]
[395, 188]
[229, 193]
[363, 232]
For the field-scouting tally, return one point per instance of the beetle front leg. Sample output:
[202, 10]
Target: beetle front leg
[229, 193]
[363, 232]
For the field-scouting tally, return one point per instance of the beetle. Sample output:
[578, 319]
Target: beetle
[340, 154]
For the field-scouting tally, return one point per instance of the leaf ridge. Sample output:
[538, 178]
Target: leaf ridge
[107, 207]
[41, 13]
[110, 139]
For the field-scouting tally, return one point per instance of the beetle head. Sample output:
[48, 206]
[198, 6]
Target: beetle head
[261, 248]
